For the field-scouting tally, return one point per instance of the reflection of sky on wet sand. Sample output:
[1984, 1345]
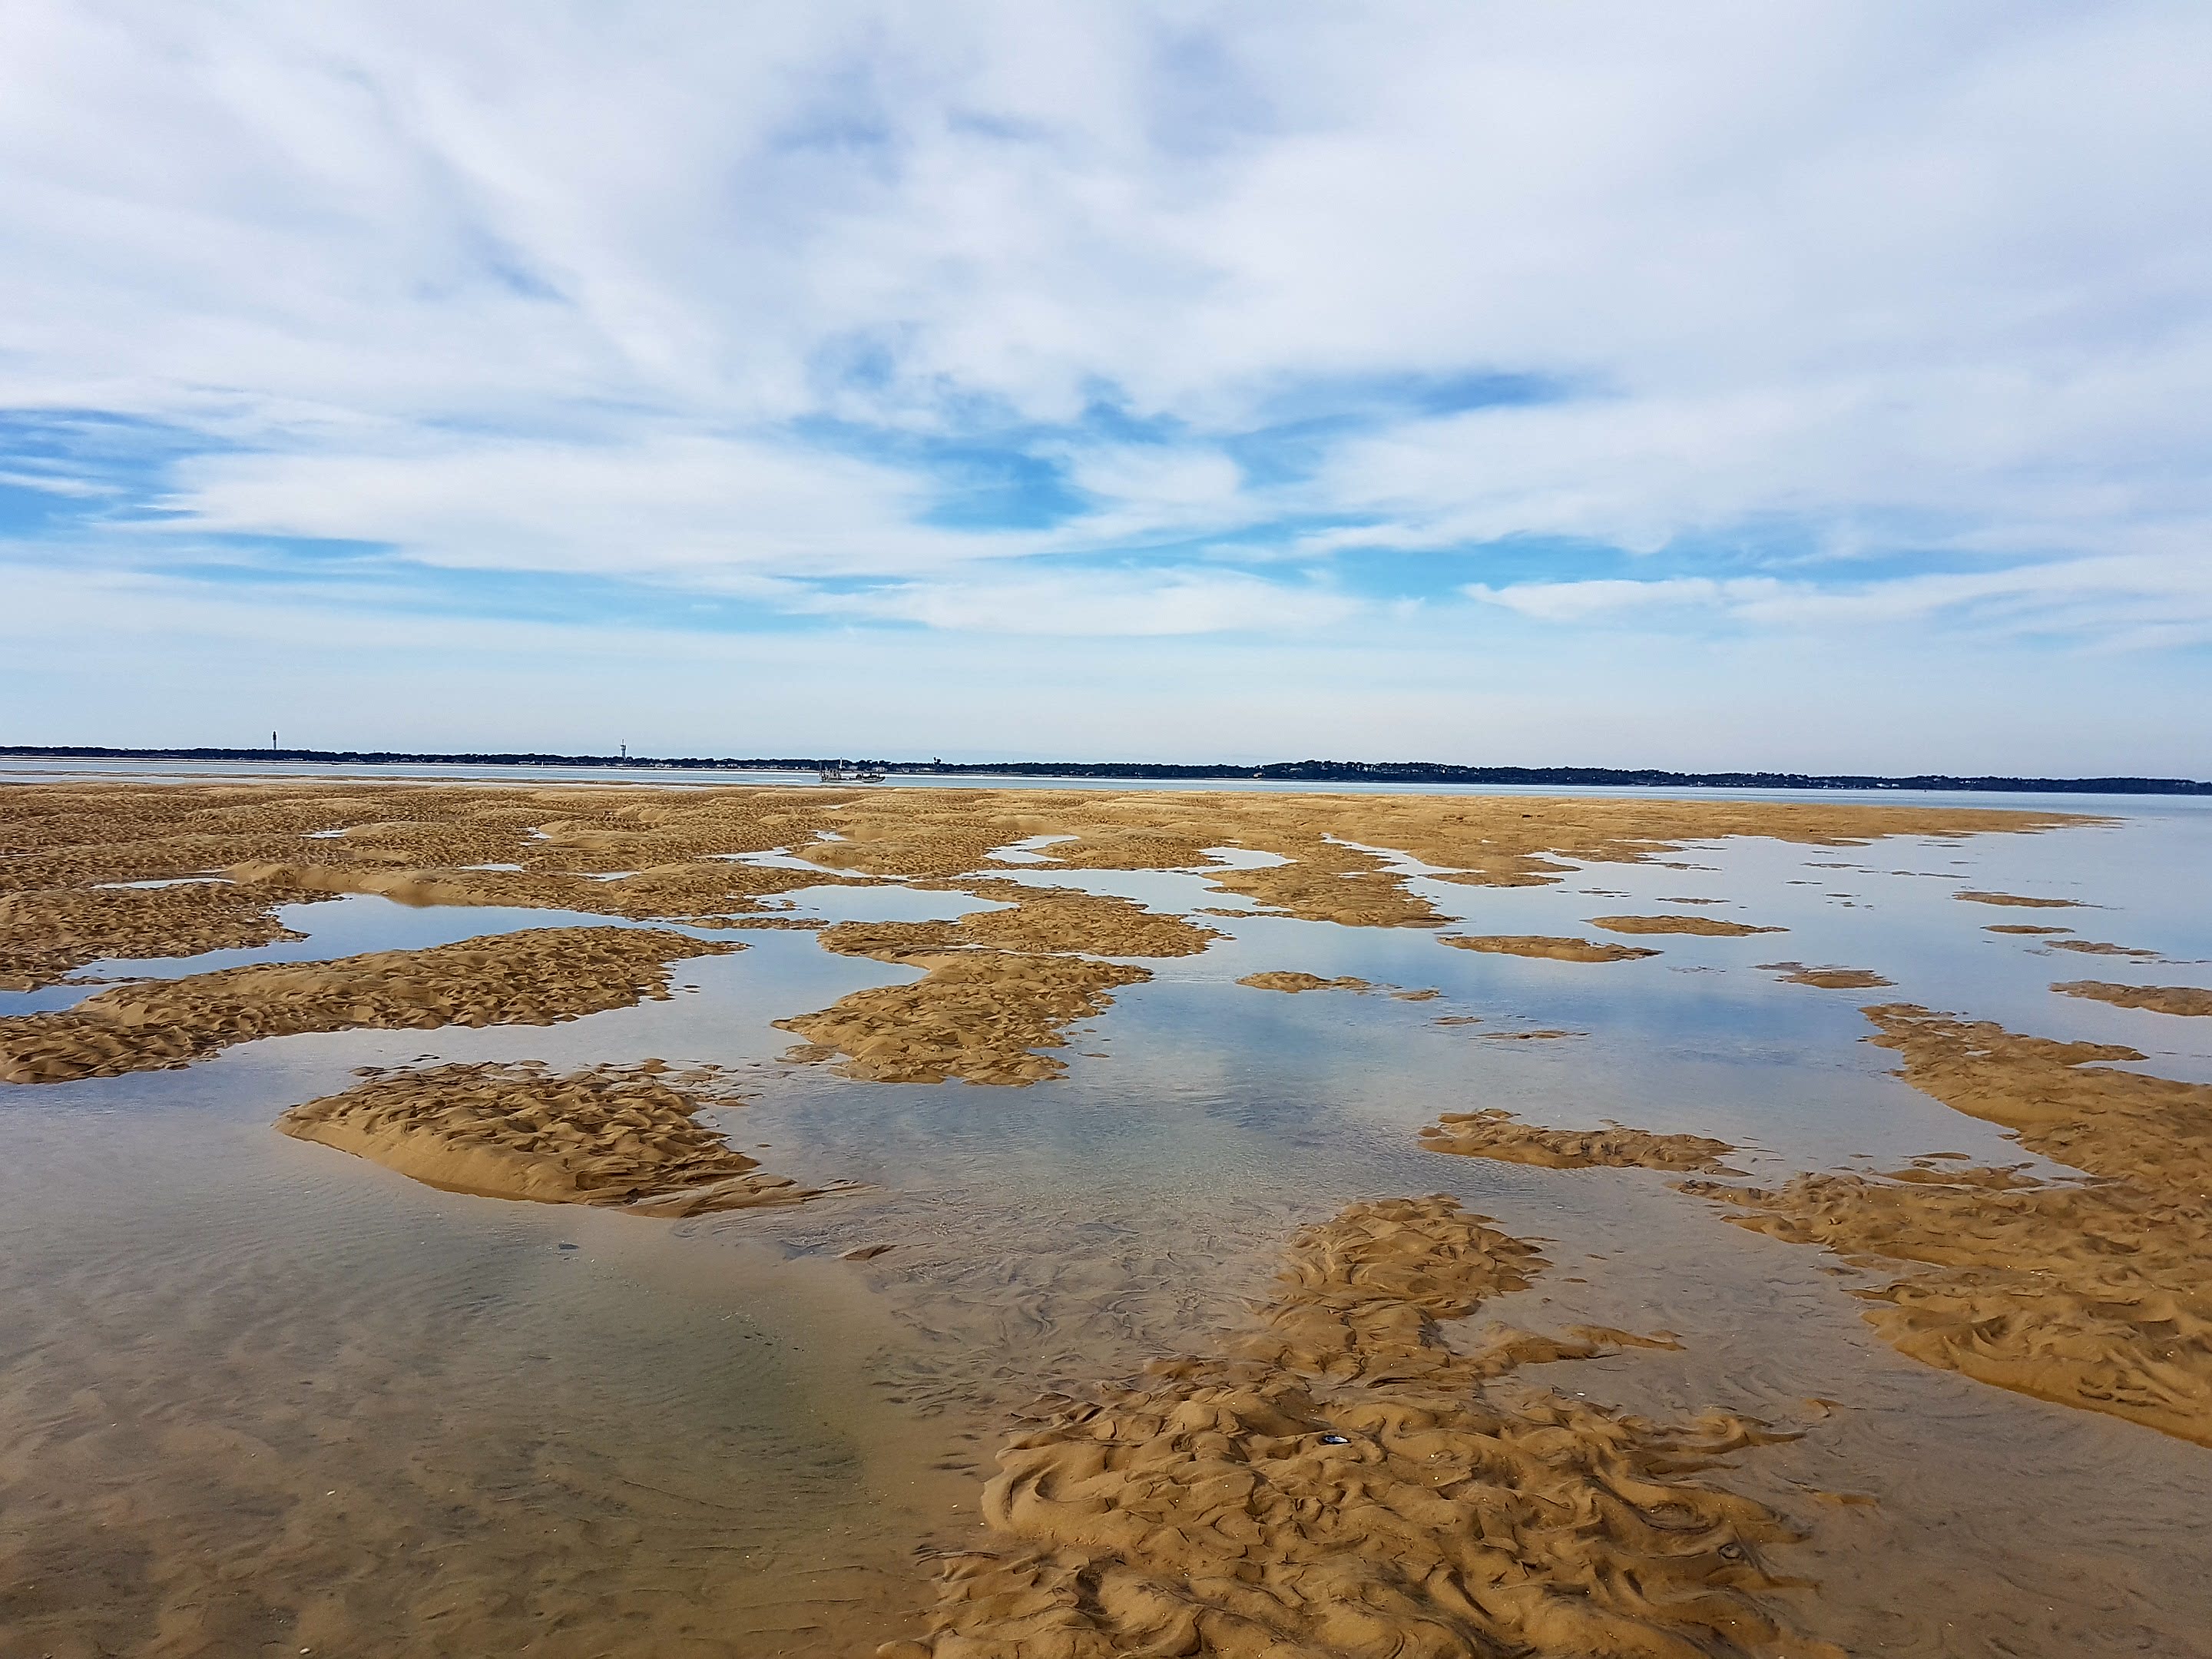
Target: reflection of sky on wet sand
[719, 1423]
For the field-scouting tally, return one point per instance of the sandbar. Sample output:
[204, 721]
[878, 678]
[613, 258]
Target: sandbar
[2184, 999]
[1711, 927]
[623, 1137]
[1499, 1135]
[2096, 1293]
[532, 978]
[1340, 1481]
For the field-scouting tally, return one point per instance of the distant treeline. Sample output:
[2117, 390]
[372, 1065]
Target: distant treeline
[1307, 771]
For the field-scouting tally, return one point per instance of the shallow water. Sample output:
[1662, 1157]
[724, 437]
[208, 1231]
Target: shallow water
[257, 1397]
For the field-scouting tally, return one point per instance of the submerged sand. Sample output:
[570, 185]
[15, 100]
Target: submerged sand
[1340, 1482]
[1495, 1133]
[1826, 979]
[624, 1137]
[534, 978]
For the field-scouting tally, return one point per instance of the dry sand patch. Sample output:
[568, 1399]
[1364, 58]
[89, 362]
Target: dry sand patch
[1341, 1483]
[617, 1136]
[2096, 1293]
[534, 978]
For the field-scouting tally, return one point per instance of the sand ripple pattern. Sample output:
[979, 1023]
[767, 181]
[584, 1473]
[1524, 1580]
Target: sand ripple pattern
[2096, 1294]
[1344, 1484]
[621, 1136]
[535, 978]
[1496, 1135]
[44, 935]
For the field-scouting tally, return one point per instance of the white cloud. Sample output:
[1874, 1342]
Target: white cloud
[575, 290]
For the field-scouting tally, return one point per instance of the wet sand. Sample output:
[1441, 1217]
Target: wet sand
[622, 1137]
[1826, 979]
[2097, 1293]
[1709, 927]
[1342, 1481]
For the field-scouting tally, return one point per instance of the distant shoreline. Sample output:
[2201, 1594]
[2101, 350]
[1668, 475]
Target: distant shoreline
[1308, 771]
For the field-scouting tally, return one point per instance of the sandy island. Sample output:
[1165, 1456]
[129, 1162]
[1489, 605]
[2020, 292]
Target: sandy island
[1339, 1482]
[533, 978]
[2094, 1293]
[1497, 1134]
[620, 1136]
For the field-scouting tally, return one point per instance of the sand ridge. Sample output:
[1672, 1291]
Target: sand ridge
[1710, 926]
[1342, 1483]
[2093, 1293]
[1546, 947]
[2017, 900]
[1495, 1133]
[2185, 999]
[620, 1136]
[1295, 981]
[532, 978]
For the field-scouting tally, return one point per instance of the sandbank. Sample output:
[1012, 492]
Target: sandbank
[1497, 1134]
[2185, 999]
[1826, 979]
[1340, 1481]
[1548, 947]
[533, 978]
[2093, 1293]
[623, 1137]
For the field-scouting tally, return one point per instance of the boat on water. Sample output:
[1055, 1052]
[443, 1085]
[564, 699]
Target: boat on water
[840, 772]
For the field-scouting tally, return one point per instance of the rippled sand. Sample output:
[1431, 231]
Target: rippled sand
[1025, 1387]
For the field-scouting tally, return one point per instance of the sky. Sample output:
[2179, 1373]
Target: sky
[1806, 386]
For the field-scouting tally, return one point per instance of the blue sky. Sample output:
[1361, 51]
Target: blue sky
[1819, 387]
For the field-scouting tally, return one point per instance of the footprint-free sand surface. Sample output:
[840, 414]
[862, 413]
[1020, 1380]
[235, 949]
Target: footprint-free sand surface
[622, 1137]
[732, 1320]
[1338, 1480]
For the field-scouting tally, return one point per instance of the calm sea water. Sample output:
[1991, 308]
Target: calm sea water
[257, 1397]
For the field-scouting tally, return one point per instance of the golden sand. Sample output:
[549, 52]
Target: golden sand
[2187, 999]
[618, 1136]
[532, 978]
[1549, 947]
[1496, 1135]
[2097, 1293]
[45, 934]
[1828, 978]
[1708, 925]
[1342, 1483]
[671, 851]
